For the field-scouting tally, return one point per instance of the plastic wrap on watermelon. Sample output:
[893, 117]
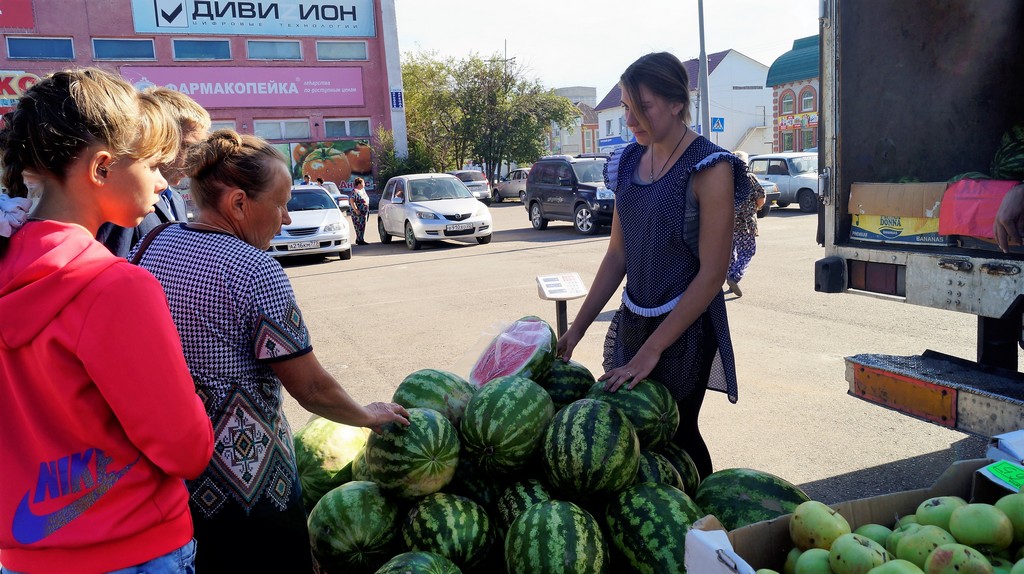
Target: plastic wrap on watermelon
[525, 348]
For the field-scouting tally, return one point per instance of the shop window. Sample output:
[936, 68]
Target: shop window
[607, 127]
[222, 125]
[274, 50]
[40, 48]
[807, 101]
[806, 139]
[787, 141]
[282, 129]
[201, 49]
[122, 49]
[786, 103]
[347, 128]
[341, 51]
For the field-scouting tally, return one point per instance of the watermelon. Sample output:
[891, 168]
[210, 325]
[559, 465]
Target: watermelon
[656, 468]
[567, 382]
[471, 482]
[519, 496]
[742, 496]
[414, 460]
[525, 348]
[450, 525]
[590, 450]
[682, 462]
[649, 406]
[647, 523]
[419, 563]
[352, 528]
[324, 451]
[504, 423]
[556, 537]
[445, 392]
[1008, 162]
[359, 468]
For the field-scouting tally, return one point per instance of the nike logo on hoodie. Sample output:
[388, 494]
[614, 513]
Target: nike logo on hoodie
[66, 475]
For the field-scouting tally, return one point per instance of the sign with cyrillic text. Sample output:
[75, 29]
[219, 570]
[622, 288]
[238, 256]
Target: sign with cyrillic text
[347, 19]
[232, 87]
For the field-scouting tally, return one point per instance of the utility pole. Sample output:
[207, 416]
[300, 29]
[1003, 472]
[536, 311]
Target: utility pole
[702, 78]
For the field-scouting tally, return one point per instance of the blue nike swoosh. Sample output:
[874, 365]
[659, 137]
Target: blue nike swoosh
[29, 527]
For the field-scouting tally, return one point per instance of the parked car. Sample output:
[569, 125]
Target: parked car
[567, 188]
[431, 207]
[340, 197]
[512, 186]
[771, 195]
[476, 182]
[318, 226]
[795, 174]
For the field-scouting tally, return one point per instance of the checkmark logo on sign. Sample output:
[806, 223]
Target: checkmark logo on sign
[170, 14]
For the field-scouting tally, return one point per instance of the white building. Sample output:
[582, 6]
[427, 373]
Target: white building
[741, 106]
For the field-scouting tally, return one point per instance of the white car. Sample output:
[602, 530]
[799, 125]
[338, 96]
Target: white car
[318, 226]
[431, 207]
[795, 174]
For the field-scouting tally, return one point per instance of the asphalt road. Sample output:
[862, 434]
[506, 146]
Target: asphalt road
[389, 311]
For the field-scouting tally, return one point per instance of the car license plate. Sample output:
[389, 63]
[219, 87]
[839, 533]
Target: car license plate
[458, 226]
[303, 245]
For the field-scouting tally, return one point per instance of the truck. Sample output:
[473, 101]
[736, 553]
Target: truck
[913, 94]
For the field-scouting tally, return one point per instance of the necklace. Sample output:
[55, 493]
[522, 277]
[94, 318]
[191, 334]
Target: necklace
[214, 227]
[664, 165]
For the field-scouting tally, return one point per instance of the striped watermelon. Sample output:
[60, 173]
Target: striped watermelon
[647, 523]
[359, 468]
[656, 468]
[742, 496]
[352, 528]
[324, 451]
[450, 525]
[504, 423]
[590, 449]
[518, 497]
[525, 348]
[414, 460]
[419, 563]
[567, 382]
[556, 538]
[471, 482]
[682, 462]
[445, 392]
[649, 406]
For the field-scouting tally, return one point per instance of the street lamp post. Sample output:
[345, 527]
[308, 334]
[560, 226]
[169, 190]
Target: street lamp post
[702, 78]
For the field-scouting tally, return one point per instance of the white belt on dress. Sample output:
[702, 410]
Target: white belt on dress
[649, 311]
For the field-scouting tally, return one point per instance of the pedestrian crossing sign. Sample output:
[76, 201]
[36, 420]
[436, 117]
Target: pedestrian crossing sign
[718, 124]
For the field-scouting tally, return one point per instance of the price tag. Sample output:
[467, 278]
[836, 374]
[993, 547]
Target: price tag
[560, 287]
[1008, 473]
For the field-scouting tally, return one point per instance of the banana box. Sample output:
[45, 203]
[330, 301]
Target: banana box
[897, 213]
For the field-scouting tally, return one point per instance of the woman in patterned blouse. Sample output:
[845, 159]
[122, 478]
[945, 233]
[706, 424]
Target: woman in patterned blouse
[675, 196]
[244, 338]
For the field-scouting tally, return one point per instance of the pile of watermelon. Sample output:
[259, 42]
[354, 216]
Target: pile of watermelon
[534, 470]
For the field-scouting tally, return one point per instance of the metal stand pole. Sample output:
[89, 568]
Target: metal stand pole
[561, 316]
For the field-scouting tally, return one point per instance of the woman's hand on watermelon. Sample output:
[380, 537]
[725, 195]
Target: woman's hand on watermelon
[383, 413]
[566, 343]
[631, 373]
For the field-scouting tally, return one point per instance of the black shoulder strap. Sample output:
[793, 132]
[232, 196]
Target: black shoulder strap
[149, 239]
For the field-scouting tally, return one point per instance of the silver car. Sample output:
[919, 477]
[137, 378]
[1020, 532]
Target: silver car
[476, 182]
[318, 226]
[794, 173]
[513, 186]
[431, 207]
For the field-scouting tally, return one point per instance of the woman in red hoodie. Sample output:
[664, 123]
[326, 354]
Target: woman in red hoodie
[100, 419]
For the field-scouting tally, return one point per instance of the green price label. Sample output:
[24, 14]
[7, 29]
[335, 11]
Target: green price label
[1006, 471]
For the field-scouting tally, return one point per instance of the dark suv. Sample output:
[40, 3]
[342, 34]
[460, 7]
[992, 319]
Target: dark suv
[567, 188]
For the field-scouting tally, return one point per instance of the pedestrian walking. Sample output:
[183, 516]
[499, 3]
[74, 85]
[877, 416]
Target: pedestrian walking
[744, 234]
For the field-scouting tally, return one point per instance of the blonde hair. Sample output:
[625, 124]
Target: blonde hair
[189, 115]
[161, 135]
[68, 111]
[228, 160]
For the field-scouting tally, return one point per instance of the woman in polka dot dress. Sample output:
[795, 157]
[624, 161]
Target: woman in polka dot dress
[675, 198]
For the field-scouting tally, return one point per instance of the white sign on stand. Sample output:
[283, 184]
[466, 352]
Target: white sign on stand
[560, 288]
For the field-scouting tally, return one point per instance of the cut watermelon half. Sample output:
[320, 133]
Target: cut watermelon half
[525, 348]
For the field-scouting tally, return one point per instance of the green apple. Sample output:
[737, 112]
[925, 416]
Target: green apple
[813, 561]
[1013, 506]
[815, 525]
[982, 526]
[957, 559]
[856, 554]
[876, 532]
[790, 566]
[896, 566]
[917, 545]
[894, 539]
[937, 510]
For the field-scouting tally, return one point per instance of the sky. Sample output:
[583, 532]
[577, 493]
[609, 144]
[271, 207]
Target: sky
[590, 42]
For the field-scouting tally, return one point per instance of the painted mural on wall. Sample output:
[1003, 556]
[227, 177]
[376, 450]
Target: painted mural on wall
[337, 161]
